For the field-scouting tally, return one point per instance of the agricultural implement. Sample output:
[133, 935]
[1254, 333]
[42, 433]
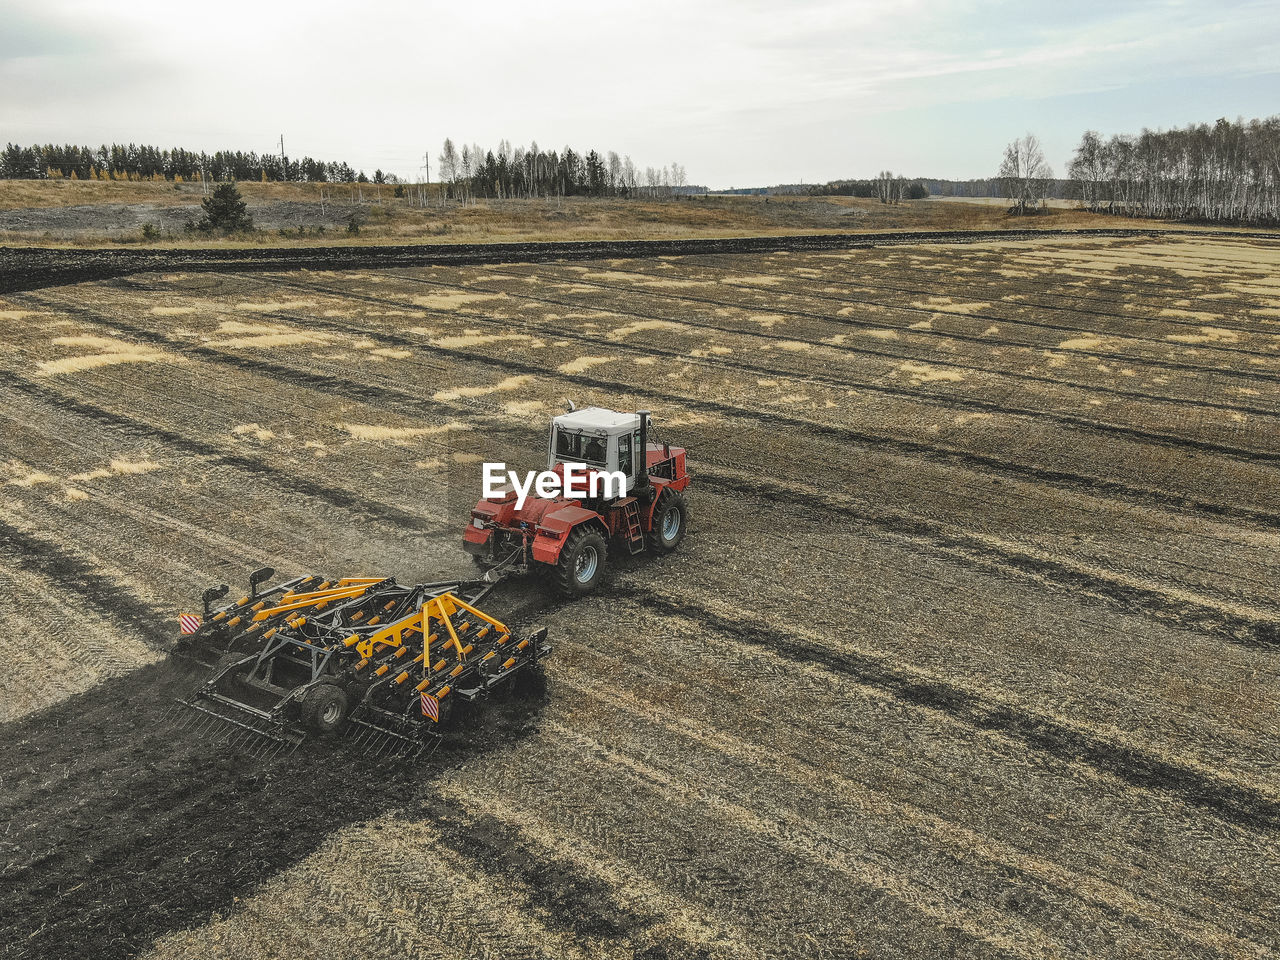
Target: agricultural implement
[369, 657]
[389, 663]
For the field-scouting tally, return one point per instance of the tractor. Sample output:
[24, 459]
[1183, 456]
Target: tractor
[568, 536]
[390, 662]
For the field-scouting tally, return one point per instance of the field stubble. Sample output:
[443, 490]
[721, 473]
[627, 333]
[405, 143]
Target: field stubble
[971, 649]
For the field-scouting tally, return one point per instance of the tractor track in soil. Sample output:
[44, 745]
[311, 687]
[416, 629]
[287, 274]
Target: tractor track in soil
[844, 321]
[863, 350]
[932, 537]
[983, 296]
[373, 393]
[1233, 802]
[942, 399]
[963, 286]
[858, 351]
[927, 535]
[1014, 860]
[31, 268]
[253, 466]
[105, 595]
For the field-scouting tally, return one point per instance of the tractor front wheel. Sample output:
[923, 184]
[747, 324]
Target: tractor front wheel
[581, 562]
[669, 517]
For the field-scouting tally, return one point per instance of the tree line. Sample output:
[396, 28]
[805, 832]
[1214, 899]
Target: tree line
[472, 171]
[134, 162]
[887, 187]
[1227, 172]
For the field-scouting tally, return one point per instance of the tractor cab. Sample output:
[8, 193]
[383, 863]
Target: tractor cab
[600, 438]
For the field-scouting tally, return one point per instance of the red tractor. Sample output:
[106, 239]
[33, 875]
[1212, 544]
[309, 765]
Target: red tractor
[569, 536]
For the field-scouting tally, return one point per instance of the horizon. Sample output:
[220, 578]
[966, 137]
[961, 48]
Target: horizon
[837, 91]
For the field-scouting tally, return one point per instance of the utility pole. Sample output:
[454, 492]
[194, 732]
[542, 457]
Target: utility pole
[426, 178]
[284, 162]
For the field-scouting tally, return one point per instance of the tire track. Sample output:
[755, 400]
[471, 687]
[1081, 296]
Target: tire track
[991, 555]
[988, 341]
[952, 285]
[996, 854]
[945, 400]
[914, 394]
[261, 469]
[564, 894]
[802, 841]
[995, 263]
[103, 594]
[32, 268]
[910, 394]
[934, 453]
[1231, 802]
[1234, 627]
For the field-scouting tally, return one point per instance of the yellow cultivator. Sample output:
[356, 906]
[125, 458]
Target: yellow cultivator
[367, 655]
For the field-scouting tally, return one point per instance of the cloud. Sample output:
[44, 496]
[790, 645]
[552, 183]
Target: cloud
[739, 92]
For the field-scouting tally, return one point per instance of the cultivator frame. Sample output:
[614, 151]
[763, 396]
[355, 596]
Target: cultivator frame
[313, 655]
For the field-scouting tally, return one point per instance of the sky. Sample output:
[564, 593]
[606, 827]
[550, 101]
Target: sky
[740, 93]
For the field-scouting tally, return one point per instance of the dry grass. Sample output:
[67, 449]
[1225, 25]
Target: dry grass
[386, 219]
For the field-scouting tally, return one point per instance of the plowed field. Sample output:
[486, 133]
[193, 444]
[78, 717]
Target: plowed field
[971, 651]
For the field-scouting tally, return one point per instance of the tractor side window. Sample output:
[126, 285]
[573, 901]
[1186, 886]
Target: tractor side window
[624, 454]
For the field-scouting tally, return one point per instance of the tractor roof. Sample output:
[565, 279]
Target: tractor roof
[598, 420]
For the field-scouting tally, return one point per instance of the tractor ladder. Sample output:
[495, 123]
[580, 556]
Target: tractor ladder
[631, 517]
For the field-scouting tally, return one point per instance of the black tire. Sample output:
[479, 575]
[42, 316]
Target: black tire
[581, 562]
[670, 515]
[325, 708]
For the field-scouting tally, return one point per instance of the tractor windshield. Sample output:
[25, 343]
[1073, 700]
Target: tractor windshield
[577, 448]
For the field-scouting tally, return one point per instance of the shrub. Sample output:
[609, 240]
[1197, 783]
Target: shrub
[150, 232]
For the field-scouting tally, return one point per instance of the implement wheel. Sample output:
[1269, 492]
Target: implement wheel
[669, 517]
[581, 562]
[325, 708]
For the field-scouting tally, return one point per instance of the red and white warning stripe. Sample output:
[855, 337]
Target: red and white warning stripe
[188, 622]
[430, 707]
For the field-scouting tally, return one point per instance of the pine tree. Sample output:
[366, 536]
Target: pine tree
[225, 210]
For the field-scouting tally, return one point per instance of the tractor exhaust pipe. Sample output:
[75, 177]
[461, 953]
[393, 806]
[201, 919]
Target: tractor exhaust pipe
[642, 459]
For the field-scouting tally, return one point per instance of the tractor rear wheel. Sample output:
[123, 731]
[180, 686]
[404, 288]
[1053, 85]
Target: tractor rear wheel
[669, 517]
[581, 562]
[325, 708]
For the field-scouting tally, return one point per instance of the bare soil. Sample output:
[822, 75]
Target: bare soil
[971, 650]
